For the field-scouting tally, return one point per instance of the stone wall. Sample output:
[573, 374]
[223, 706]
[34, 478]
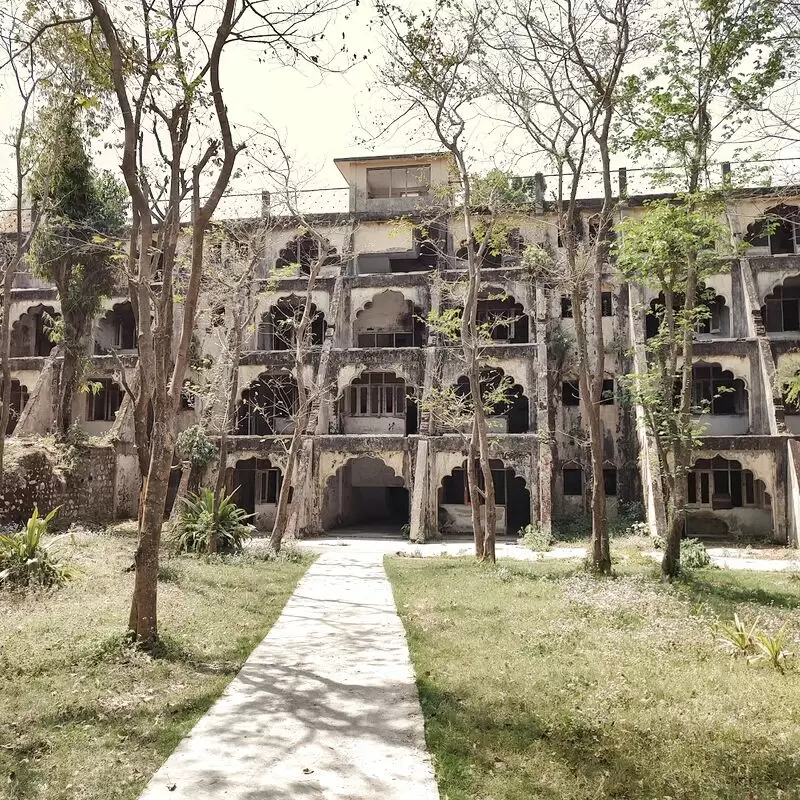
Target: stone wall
[38, 471]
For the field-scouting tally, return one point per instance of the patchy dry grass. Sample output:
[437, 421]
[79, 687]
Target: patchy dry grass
[538, 681]
[84, 716]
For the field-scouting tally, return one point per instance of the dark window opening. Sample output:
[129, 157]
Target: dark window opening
[570, 395]
[717, 391]
[606, 304]
[724, 484]
[573, 481]
[607, 395]
[610, 481]
[566, 307]
[103, 401]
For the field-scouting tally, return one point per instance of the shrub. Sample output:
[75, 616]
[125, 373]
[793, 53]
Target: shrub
[694, 554]
[577, 526]
[536, 538]
[25, 561]
[196, 527]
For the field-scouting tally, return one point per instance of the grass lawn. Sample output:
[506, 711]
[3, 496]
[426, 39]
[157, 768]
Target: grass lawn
[84, 717]
[538, 681]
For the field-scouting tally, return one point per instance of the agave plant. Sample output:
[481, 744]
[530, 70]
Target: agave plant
[736, 637]
[25, 560]
[197, 526]
[771, 648]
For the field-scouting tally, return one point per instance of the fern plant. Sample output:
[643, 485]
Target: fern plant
[25, 561]
[197, 527]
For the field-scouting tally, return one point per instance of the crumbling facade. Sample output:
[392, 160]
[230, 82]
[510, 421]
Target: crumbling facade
[374, 456]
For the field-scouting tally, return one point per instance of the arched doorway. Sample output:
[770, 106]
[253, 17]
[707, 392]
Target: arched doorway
[365, 493]
[512, 499]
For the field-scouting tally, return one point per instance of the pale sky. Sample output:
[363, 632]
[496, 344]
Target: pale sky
[319, 116]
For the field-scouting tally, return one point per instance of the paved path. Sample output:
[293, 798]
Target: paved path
[325, 707]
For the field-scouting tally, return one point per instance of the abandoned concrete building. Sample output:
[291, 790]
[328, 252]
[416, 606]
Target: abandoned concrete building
[376, 457]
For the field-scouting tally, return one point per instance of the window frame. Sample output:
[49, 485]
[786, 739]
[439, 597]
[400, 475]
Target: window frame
[417, 190]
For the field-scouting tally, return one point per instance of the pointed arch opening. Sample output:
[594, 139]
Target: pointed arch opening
[366, 493]
[116, 330]
[379, 403]
[776, 232]
[304, 250]
[504, 400]
[725, 500]
[278, 327]
[389, 320]
[512, 499]
[268, 406]
[32, 335]
[781, 309]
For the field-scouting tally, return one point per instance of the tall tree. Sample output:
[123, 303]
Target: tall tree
[431, 69]
[680, 111]
[556, 69]
[165, 59]
[72, 250]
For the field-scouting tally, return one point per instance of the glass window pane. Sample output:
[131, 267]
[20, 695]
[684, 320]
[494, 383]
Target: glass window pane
[378, 183]
[418, 181]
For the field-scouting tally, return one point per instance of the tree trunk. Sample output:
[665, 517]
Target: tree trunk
[5, 355]
[474, 492]
[590, 409]
[671, 563]
[143, 620]
[282, 510]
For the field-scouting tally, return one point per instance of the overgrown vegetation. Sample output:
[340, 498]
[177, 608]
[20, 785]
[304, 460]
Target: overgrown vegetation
[536, 538]
[201, 522]
[85, 715]
[26, 561]
[547, 683]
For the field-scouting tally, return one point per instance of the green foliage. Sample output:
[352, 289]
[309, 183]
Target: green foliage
[25, 561]
[772, 649]
[694, 554]
[572, 527]
[717, 58]
[739, 639]
[736, 637]
[536, 538]
[196, 525]
[193, 445]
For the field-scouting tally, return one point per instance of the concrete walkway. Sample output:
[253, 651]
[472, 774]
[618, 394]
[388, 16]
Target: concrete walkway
[325, 707]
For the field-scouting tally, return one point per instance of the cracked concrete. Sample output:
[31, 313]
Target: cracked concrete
[325, 707]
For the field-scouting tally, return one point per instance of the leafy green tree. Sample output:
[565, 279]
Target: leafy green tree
[75, 249]
[716, 58]
[672, 249]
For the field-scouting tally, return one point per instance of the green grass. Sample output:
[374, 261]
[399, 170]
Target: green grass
[538, 681]
[85, 717]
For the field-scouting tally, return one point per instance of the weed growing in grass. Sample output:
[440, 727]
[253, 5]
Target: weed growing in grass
[694, 554]
[772, 648]
[740, 639]
[26, 562]
[536, 538]
[735, 637]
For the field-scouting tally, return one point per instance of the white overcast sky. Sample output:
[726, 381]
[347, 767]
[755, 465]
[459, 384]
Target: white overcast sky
[319, 116]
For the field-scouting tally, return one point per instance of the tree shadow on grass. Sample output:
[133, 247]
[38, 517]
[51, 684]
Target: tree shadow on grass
[578, 756]
[723, 591]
